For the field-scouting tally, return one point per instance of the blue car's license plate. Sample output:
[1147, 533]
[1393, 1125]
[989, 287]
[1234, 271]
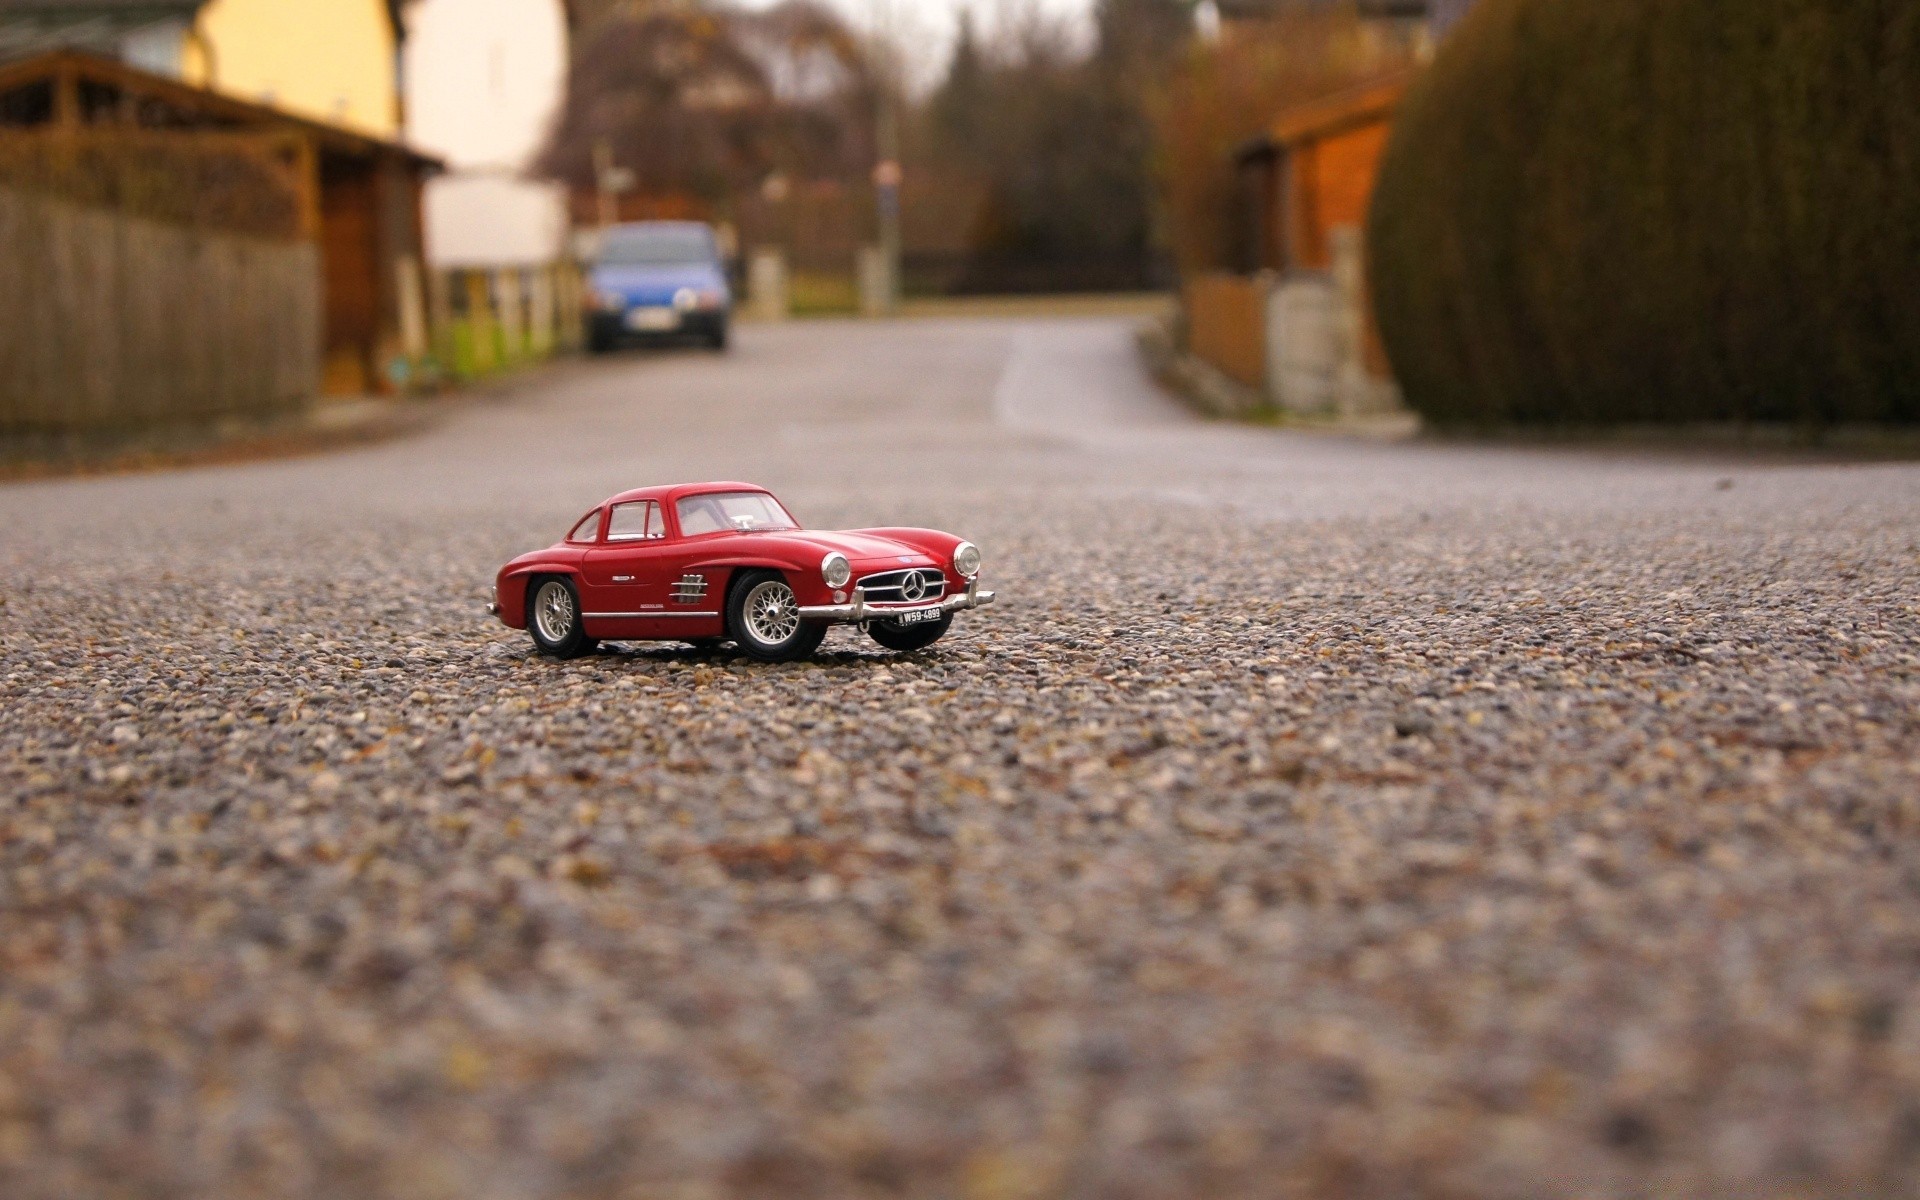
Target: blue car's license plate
[656, 319]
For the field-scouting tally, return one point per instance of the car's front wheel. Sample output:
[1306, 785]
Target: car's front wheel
[906, 638]
[763, 617]
[555, 621]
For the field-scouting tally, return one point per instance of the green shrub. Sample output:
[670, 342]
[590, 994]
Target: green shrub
[1658, 210]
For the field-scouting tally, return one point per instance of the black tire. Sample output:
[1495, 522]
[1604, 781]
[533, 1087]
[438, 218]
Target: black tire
[554, 620]
[905, 639]
[768, 595]
[601, 341]
[718, 338]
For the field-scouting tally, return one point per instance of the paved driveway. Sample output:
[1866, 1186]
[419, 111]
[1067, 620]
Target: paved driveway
[1314, 817]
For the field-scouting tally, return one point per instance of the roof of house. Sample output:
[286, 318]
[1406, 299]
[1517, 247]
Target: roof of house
[30, 27]
[1328, 115]
[1446, 12]
[1256, 10]
[136, 11]
[91, 8]
[217, 108]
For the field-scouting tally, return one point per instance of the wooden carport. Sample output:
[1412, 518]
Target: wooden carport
[359, 196]
[1310, 180]
[1312, 172]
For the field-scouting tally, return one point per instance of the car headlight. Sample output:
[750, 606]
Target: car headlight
[701, 298]
[966, 559]
[836, 570]
[612, 301]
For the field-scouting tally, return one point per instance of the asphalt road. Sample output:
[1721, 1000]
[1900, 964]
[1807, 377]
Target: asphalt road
[1314, 817]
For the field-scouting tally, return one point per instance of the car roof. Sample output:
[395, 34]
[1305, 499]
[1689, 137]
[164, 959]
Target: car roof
[667, 493]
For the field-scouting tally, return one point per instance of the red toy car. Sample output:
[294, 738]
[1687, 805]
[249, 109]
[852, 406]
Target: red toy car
[706, 562]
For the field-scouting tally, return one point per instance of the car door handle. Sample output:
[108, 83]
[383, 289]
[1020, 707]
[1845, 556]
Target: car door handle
[623, 579]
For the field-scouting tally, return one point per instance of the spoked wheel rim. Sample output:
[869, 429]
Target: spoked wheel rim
[772, 614]
[553, 612]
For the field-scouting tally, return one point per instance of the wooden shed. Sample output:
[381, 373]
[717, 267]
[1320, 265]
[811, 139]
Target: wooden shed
[359, 196]
[1309, 181]
[1313, 171]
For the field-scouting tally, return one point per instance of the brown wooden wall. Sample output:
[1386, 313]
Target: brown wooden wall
[1226, 324]
[1331, 184]
[350, 265]
[369, 224]
[125, 323]
[146, 146]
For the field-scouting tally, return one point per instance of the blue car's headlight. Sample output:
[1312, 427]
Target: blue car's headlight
[687, 298]
[611, 301]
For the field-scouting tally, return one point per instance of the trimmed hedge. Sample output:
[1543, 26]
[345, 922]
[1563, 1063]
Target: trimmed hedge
[1598, 211]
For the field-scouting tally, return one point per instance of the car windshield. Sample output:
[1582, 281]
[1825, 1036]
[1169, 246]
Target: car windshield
[731, 510]
[658, 246]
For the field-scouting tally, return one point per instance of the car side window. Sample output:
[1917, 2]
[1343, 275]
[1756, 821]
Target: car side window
[588, 526]
[635, 522]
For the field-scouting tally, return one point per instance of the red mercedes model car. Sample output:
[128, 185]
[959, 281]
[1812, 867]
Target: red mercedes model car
[707, 562]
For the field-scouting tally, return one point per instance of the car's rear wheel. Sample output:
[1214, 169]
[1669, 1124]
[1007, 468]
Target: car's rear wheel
[763, 617]
[555, 621]
[907, 638]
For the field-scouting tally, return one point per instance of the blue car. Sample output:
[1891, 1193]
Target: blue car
[658, 279]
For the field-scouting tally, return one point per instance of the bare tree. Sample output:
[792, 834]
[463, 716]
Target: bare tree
[709, 101]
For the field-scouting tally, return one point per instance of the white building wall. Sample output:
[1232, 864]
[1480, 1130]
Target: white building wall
[483, 80]
[478, 219]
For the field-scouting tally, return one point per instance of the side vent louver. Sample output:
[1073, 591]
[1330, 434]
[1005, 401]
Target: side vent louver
[690, 589]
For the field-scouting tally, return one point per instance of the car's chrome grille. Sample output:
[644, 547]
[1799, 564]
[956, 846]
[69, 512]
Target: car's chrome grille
[893, 587]
[690, 589]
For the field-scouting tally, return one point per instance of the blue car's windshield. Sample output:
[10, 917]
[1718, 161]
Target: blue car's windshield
[663, 246]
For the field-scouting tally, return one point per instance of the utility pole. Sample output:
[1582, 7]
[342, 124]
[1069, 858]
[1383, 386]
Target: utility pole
[602, 167]
[609, 182]
[887, 174]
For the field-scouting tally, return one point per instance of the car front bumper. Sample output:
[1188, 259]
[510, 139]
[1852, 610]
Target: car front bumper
[613, 324]
[858, 611]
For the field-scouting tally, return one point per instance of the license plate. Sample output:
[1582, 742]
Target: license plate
[652, 318]
[917, 616]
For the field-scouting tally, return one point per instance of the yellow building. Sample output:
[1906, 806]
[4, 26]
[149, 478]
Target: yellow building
[330, 60]
[335, 60]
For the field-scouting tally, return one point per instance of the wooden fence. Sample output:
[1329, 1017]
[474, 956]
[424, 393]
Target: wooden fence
[1226, 325]
[1303, 342]
[154, 280]
[233, 182]
[488, 319]
[120, 323]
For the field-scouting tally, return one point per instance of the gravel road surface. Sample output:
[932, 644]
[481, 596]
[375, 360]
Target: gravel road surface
[1314, 817]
